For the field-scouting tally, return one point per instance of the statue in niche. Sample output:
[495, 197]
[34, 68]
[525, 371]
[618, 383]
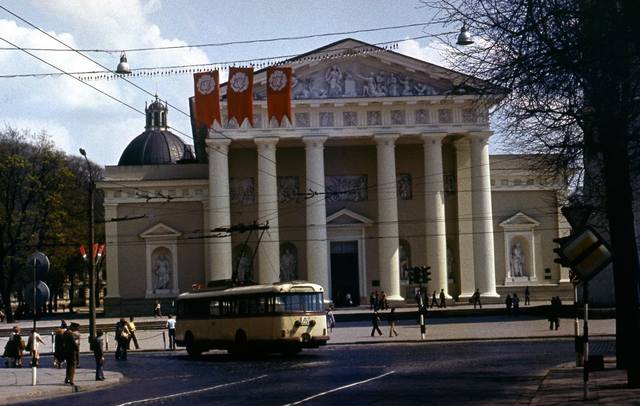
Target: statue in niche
[404, 186]
[161, 273]
[404, 261]
[288, 265]
[244, 264]
[333, 76]
[517, 260]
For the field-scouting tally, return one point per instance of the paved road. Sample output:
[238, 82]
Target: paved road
[482, 372]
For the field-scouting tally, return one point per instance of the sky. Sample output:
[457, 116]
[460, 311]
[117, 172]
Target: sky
[75, 115]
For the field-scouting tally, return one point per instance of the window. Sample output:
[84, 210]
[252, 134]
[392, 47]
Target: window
[214, 308]
[298, 302]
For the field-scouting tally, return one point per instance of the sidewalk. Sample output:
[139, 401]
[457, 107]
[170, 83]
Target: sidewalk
[561, 385]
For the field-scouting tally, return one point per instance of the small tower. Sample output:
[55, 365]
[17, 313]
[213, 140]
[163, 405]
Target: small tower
[156, 116]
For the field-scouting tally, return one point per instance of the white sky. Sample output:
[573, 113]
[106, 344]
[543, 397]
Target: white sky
[75, 116]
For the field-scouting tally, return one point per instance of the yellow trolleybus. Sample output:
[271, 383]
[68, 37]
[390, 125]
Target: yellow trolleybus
[283, 317]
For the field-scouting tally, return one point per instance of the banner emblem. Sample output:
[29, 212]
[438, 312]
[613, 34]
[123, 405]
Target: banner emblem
[206, 84]
[278, 80]
[239, 82]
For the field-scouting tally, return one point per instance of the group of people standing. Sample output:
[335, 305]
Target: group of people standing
[378, 301]
[512, 302]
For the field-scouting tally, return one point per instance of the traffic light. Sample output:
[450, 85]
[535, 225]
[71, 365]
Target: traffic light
[419, 274]
[426, 271]
[562, 259]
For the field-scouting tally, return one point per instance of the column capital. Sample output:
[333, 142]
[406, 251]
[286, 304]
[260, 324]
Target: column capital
[314, 141]
[385, 139]
[482, 135]
[433, 138]
[266, 141]
[220, 144]
[462, 144]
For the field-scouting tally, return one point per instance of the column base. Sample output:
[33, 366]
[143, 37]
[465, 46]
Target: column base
[395, 298]
[489, 294]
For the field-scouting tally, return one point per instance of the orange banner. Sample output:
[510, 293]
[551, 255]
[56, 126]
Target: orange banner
[279, 93]
[207, 91]
[240, 95]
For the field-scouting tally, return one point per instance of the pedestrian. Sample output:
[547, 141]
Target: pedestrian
[331, 320]
[384, 305]
[434, 300]
[371, 300]
[375, 323]
[443, 299]
[71, 348]
[131, 325]
[171, 328]
[527, 300]
[508, 302]
[476, 299]
[156, 309]
[33, 345]
[393, 318]
[13, 349]
[554, 313]
[98, 354]
[516, 304]
[376, 301]
[122, 339]
[58, 352]
[2, 316]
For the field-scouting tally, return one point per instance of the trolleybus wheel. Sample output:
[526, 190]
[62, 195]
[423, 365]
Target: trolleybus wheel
[190, 343]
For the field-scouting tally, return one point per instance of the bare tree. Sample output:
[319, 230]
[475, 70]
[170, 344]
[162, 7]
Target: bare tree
[572, 72]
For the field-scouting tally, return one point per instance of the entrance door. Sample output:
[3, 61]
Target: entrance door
[344, 273]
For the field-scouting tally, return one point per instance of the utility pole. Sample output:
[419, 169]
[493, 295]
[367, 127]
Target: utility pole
[92, 262]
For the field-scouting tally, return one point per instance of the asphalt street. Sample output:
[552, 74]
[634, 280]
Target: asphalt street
[472, 372]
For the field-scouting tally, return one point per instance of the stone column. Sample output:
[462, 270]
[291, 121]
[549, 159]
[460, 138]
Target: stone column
[269, 249]
[483, 249]
[111, 236]
[388, 243]
[317, 264]
[436, 236]
[219, 210]
[465, 215]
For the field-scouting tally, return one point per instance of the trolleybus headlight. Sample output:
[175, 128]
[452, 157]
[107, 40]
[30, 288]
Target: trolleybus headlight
[297, 324]
[312, 323]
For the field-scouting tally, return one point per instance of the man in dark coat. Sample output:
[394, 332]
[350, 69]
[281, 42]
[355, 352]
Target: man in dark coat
[71, 349]
[98, 354]
[375, 322]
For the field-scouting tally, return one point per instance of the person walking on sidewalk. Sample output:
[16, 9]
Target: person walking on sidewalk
[171, 328]
[71, 348]
[434, 300]
[122, 339]
[476, 299]
[516, 304]
[508, 302]
[393, 318]
[58, 346]
[33, 346]
[131, 325]
[98, 354]
[527, 299]
[443, 299]
[375, 323]
[331, 319]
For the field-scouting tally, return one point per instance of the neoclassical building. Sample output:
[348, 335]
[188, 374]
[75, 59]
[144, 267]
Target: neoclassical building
[385, 166]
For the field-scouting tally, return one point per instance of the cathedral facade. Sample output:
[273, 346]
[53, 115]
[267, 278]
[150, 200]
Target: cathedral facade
[384, 165]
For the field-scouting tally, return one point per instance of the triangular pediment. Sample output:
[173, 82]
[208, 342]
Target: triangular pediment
[346, 216]
[519, 220]
[355, 69]
[160, 230]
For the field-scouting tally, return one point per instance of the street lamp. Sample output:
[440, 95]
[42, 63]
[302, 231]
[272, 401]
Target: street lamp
[92, 270]
[464, 38]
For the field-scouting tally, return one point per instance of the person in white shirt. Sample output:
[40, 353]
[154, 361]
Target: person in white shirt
[171, 327]
[34, 347]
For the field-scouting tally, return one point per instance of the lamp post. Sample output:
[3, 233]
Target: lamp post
[92, 266]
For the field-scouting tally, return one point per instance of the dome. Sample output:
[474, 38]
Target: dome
[156, 145]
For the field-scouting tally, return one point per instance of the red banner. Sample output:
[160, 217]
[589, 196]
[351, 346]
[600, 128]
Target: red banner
[240, 95]
[207, 92]
[279, 94]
